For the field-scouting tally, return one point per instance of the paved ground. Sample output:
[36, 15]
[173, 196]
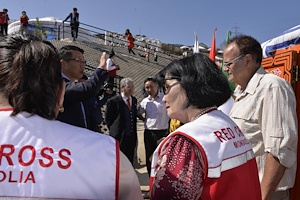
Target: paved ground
[140, 162]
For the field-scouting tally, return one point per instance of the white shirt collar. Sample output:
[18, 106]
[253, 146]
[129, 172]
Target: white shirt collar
[64, 76]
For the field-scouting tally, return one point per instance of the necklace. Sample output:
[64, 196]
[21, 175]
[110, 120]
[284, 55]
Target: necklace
[207, 110]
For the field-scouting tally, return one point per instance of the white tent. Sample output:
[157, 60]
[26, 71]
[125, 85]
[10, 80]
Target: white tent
[54, 29]
[287, 38]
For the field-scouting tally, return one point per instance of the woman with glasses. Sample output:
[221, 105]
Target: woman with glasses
[208, 157]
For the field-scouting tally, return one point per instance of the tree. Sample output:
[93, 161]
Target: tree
[39, 31]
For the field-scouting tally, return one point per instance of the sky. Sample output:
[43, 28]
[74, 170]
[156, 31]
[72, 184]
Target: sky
[172, 21]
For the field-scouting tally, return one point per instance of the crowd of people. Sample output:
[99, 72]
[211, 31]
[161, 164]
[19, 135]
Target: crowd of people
[199, 142]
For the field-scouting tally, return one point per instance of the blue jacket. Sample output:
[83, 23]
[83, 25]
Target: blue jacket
[77, 92]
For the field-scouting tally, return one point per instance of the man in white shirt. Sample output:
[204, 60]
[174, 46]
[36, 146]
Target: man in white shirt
[156, 120]
[265, 110]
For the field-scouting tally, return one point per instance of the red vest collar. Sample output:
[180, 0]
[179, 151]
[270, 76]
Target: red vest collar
[6, 109]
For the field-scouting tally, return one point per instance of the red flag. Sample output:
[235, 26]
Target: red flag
[212, 53]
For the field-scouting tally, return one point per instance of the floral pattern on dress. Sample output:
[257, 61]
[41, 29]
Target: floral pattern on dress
[179, 170]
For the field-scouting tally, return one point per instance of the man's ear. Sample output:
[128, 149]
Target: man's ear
[248, 58]
[63, 65]
[62, 62]
[60, 98]
[62, 94]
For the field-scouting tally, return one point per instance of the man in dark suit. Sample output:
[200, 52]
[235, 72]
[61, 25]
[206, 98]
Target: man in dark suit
[74, 22]
[78, 93]
[121, 118]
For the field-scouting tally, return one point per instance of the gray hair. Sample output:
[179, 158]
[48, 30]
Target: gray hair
[124, 82]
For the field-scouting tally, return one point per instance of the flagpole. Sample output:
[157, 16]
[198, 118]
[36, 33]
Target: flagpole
[196, 44]
[227, 40]
[231, 84]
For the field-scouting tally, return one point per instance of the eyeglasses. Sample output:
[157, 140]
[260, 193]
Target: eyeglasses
[167, 88]
[227, 64]
[172, 78]
[78, 60]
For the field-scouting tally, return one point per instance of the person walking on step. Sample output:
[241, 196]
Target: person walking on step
[130, 41]
[74, 22]
[146, 54]
[4, 26]
[23, 23]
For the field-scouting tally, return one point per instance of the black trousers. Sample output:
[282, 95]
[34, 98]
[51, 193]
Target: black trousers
[127, 146]
[130, 50]
[4, 29]
[150, 139]
[74, 30]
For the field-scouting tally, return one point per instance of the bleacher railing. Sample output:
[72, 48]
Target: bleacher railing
[102, 36]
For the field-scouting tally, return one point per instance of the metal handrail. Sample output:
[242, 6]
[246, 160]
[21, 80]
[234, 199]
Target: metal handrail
[114, 40]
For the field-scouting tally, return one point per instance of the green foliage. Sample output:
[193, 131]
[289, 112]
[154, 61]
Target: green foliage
[39, 32]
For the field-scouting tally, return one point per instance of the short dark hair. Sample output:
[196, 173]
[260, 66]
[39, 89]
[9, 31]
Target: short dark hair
[66, 51]
[160, 76]
[74, 9]
[30, 75]
[248, 45]
[111, 53]
[204, 83]
[150, 78]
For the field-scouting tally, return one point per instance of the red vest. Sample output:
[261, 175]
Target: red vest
[232, 171]
[24, 20]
